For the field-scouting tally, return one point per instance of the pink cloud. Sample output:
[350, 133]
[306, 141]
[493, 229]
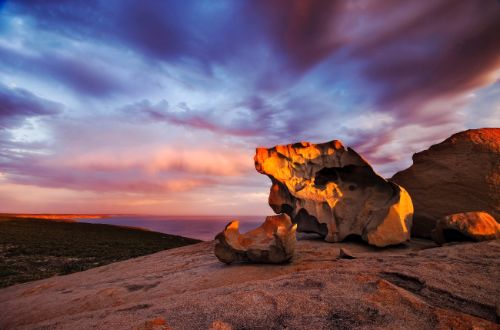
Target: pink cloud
[151, 162]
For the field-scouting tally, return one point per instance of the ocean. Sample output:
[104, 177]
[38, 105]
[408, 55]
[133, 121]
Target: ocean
[201, 227]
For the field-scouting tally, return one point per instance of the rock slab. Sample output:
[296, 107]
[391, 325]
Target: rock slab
[460, 174]
[406, 287]
[331, 190]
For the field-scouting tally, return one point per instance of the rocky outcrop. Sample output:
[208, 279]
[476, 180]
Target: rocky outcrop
[475, 226]
[460, 174]
[272, 242]
[331, 190]
[406, 287]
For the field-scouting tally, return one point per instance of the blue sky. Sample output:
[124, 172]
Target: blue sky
[158, 106]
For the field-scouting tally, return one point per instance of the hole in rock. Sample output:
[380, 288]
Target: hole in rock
[360, 176]
[309, 224]
[452, 235]
[288, 209]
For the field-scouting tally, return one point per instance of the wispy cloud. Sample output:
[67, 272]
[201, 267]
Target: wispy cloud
[167, 100]
[18, 104]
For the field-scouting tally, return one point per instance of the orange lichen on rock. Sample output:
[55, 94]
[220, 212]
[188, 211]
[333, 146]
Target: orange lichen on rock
[477, 226]
[158, 323]
[220, 325]
[331, 190]
[272, 242]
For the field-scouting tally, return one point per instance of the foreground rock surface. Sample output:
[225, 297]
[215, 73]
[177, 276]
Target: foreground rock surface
[331, 190]
[475, 226]
[188, 288]
[460, 174]
[273, 242]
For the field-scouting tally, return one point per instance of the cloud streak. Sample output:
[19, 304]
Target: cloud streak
[18, 104]
[169, 99]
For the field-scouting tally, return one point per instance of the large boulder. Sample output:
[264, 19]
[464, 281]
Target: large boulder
[272, 242]
[460, 174]
[475, 226]
[331, 190]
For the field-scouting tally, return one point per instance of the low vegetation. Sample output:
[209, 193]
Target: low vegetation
[32, 249]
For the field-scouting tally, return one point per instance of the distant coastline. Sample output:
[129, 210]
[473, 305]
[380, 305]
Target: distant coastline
[195, 226]
[47, 216]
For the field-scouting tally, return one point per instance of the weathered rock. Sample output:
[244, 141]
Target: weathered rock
[331, 190]
[460, 174]
[272, 242]
[476, 226]
[346, 254]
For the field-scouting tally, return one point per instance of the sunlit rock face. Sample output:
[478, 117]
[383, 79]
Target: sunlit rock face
[272, 242]
[331, 190]
[460, 174]
[475, 226]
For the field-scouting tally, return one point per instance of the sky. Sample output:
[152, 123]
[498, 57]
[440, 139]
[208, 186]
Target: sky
[156, 107]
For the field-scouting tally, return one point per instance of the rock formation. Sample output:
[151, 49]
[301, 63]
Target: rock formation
[460, 174]
[476, 226]
[331, 190]
[272, 242]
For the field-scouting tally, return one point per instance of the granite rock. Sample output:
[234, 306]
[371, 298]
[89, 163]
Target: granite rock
[476, 226]
[460, 174]
[272, 242]
[331, 190]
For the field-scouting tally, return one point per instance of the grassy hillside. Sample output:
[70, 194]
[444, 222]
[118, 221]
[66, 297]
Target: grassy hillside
[32, 249]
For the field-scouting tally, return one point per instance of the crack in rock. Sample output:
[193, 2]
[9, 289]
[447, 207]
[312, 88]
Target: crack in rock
[441, 298]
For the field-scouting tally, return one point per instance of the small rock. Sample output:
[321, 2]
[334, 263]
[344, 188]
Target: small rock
[475, 226]
[273, 242]
[220, 325]
[346, 254]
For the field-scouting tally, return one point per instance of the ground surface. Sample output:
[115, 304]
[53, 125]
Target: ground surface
[32, 249]
[419, 286]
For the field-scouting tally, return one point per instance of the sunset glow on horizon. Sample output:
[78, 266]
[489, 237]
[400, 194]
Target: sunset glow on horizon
[157, 107]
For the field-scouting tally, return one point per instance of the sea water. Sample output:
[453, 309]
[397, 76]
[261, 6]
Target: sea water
[200, 227]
